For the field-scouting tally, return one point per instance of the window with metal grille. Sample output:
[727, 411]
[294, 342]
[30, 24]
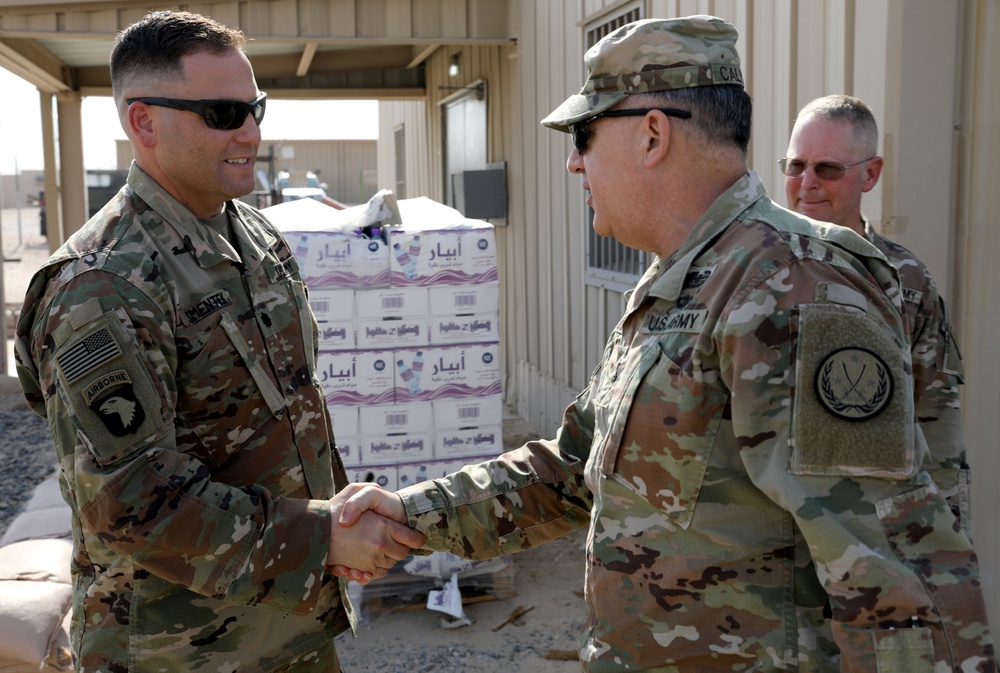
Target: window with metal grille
[610, 264]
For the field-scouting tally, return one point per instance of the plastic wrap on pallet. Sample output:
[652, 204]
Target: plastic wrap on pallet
[408, 583]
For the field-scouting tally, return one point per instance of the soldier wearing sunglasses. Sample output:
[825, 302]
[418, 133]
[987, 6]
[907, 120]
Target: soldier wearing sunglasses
[832, 161]
[170, 344]
[745, 458]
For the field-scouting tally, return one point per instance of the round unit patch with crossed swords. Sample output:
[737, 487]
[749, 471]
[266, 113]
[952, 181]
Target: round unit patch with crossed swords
[854, 384]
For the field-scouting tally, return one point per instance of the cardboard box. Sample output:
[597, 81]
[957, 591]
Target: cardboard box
[354, 378]
[384, 449]
[408, 474]
[332, 305]
[383, 475]
[486, 441]
[391, 302]
[447, 372]
[471, 412]
[338, 336]
[457, 256]
[410, 418]
[334, 259]
[393, 333]
[459, 329]
[349, 447]
[451, 300]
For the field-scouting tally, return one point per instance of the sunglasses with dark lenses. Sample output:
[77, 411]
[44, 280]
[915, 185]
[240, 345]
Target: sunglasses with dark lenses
[825, 170]
[225, 115]
[581, 130]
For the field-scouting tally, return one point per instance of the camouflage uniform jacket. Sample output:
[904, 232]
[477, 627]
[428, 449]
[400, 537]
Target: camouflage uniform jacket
[747, 460]
[176, 367]
[937, 373]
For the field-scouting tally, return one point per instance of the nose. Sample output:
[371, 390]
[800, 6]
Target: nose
[809, 178]
[574, 162]
[250, 131]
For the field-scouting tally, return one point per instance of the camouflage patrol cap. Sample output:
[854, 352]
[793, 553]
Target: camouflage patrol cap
[652, 55]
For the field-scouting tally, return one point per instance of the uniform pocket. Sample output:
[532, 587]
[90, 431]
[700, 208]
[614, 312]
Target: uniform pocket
[667, 440]
[224, 395]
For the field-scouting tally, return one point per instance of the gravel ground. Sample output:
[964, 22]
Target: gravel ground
[26, 456]
[531, 630]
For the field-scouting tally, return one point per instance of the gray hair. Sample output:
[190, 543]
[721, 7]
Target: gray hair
[848, 110]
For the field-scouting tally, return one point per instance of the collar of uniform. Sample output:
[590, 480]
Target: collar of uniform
[208, 246]
[741, 195]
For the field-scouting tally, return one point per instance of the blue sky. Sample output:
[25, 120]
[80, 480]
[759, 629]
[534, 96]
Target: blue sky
[21, 126]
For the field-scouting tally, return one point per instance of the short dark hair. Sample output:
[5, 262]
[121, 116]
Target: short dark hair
[721, 114]
[154, 45]
[846, 109]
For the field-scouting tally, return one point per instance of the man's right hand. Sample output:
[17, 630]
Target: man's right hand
[367, 551]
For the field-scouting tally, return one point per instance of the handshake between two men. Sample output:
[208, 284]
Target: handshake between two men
[368, 550]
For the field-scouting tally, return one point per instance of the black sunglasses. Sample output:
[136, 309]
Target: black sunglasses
[581, 130]
[825, 170]
[225, 115]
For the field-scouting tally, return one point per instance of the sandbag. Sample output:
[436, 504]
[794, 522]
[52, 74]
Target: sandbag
[35, 604]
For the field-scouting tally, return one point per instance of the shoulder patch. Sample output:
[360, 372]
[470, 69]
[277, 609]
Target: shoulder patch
[88, 354]
[852, 404]
[108, 392]
[853, 383]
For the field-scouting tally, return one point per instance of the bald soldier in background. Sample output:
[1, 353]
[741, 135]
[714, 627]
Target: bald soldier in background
[746, 456]
[832, 160]
[170, 344]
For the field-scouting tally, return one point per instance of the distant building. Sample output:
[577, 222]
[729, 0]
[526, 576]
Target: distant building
[346, 167]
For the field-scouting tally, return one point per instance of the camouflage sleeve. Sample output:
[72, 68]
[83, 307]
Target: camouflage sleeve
[823, 413]
[937, 374]
[132, 490]
[516, 501]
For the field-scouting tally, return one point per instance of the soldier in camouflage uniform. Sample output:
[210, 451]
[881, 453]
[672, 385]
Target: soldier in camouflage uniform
[171, 347]
[832, 160]
[746, 456]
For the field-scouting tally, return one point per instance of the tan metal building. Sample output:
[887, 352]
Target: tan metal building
[346, 167]
[926, 66]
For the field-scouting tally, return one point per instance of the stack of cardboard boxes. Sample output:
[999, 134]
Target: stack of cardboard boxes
[407, 307]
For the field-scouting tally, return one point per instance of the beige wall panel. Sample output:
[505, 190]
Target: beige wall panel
[343, 17]
[314, 18]
[770, 48]
[224, 12]
[979, 315]
[398, 18]
[920, 214]
[873, 35]
[282, 19]
[487, 18]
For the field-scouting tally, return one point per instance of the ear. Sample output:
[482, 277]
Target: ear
[873, 169]
[142, 123]
[656, 138]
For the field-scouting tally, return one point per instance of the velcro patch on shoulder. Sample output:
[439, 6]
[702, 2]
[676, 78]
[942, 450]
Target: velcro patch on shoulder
[852, 406]
[107, 389]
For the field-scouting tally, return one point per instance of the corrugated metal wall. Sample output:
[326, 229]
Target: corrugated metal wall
[978, 274]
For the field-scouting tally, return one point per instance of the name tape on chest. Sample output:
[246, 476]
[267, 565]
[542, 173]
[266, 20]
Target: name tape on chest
[690, 321]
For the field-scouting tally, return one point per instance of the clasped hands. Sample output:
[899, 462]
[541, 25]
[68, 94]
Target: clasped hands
[368, 533]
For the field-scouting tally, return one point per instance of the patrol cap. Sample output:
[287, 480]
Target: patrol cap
[652, 55]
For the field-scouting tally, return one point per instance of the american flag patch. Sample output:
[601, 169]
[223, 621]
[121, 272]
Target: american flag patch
[93, 351]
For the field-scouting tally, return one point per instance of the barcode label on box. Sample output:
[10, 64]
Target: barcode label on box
[390, 303]
[397, 419]
[468, 413]
[465, 300]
